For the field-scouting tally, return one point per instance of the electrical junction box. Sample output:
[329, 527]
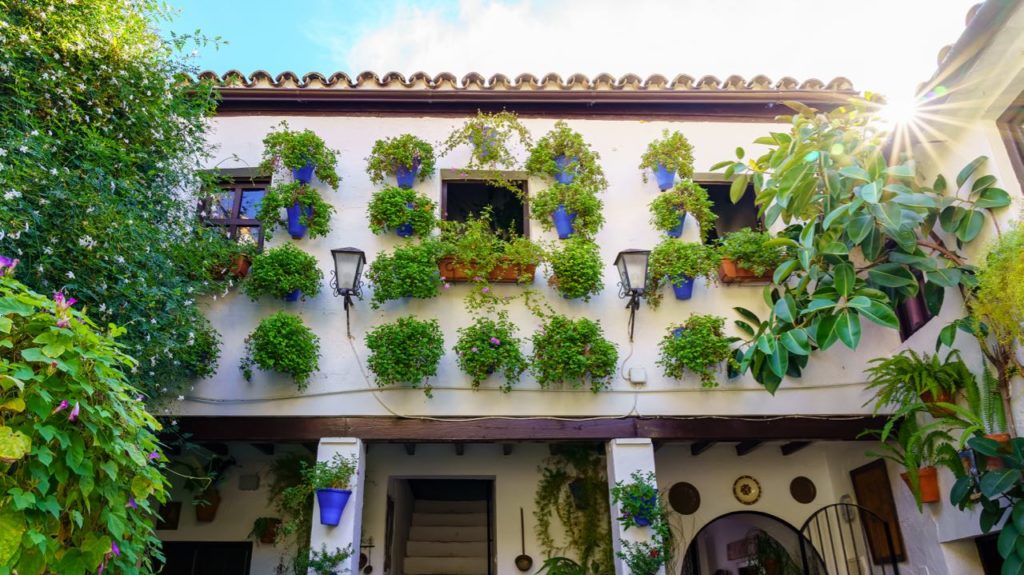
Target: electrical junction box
[637, 375]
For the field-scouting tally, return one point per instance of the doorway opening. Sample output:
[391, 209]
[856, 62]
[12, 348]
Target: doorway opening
[440, 525]
[745, 543]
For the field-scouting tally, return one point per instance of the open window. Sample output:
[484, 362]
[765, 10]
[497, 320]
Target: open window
[731, 217]
[463, 197]
[234, 204]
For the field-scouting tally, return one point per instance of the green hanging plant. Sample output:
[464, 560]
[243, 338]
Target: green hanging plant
[574, 352]
[392, 207]
[405, 351]
[491, 137]
[405, 151]
[752, 250]
[673, 261]
[672, 151]
[284, 196]
[282, 270]
[698, 345]
[489, 346]
[687, 196]
[577, 198]
[282, 343]
[576, 269]
[294, 149]
[564, 141]
[408, 271]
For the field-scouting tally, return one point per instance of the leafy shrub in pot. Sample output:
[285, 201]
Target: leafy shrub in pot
[322, 562]
[491, 136]
[576, 269]
[408, 271]
[563, 154]
[283, 343]
[678, 263]
[473, 250]
[404, 155]
[283, 272]
[403, 210]
[575, 352]
[489, 346]
[907, 378]
[638, 500]
[330, 480]
[748, 256]
[669, 208]
[307, 211]
[295, 150]
[669, 156]
[405, 351]
[697, 345]
[580, 204]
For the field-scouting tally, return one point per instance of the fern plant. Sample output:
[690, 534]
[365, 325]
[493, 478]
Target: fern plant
[909, 378]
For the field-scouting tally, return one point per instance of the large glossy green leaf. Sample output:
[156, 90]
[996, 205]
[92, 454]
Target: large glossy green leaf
[945, 277]
[843, 278]
[997, 482]
[904, 170]
[1007, 539]
[969, 169]
[922, 263]
[880, 313]
[858, 227]
[848, 328]
[748, 315]
[738, 188]
[1013, 565]
[950, 218]
[873, 244]
[970, 225]
[933, 296]
[784, 270]
[796, 341]
[785, 309]
[993, 198]
[915, 200]
[818, 304]
[891, 275]
[827, 333]
[871, 192]
[855, 172]
[835, 248]
[778, 361]
[13, 444]
[940, 184]
[834, 214]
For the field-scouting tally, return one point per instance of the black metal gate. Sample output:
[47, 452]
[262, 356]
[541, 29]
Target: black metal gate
[847, 539]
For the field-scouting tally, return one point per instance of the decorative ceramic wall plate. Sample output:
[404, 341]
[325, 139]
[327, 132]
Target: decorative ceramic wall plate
[747, 490]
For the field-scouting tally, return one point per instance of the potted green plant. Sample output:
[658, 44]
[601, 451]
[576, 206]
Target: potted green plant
[698, 345]
[491, 136]
[984, 414]
[295, 511]
[908, 377]
[564, 155]
[322, 562]
[576, 269]
[570, 209]
[749, 256]
[667, 157]
[405, 156]
[408, 271]
[304, 153]
[488, 346]
[918, 448]
[202, 480]
[405, 351]
[403, 210]
[282, 343]
[575, 352]
[771, 558]
[637, 499]
[246, 249]
[264, 529]
[307, 211]
[669, 209]
[680, 263]
[331, 481]
[642, 557]
[283, 272]
[561, 566]
[474, 251]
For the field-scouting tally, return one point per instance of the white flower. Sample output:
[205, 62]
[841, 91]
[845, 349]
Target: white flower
[71, 275]
[12, 194]
[23, 149]
[3, 152]
[181, 398]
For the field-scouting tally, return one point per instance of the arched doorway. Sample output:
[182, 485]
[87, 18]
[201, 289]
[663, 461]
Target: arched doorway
[744, 543]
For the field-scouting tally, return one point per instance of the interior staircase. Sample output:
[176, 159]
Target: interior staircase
[447, 538]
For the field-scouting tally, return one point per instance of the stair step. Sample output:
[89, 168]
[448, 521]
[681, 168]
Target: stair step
[450, 519]
[446, 548]
[445, 565]
[431, 506]
[449, 534]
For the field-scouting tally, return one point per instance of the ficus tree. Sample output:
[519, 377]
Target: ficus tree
[862, 232]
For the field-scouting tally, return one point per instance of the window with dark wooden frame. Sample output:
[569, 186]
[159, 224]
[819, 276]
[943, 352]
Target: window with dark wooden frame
[233, 207]
[1011, 128]
[731, 217]
[462, 198]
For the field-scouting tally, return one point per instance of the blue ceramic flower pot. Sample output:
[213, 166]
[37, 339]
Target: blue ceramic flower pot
[563, 221]
[485, 144]
[682, 286]
[304, 174]
[564, 176]
[294, 295]
[405, 230]
[407, 176]
[678, 229]
[678, 332]
[296, 229]
[665, 178]
[332, 504]
[651, 506]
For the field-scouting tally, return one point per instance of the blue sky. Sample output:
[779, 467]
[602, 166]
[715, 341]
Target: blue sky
[886, 46]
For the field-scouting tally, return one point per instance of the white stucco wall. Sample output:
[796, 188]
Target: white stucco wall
[831, 384]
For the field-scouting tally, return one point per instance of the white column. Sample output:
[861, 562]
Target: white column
[347, 532]
[624, 457]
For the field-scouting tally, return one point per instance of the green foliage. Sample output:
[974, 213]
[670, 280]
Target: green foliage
[334, 474]
[576, 269]
[478, 249]
[488, 346]
[574, 489]
[405, 151]
[390, 208]
[699, 347]
[859, 236]
[204, 470]
[673, 261]
[263, 526]
[408, 271]
[643, 557]
[491, 136]
[281, 271]
[405, 351]
[687, 196]
[902, 379]
[564, 141]
[752, 250]
[771, 558]
[984, 413]
[672, 151]
[637, 499]
[281, 342]
[296, 512]
[578, 199]
[80, 466]
[283, 196]
[573, 352]
[100, 138]
[294, 149]
[322, 562]
[906, 442]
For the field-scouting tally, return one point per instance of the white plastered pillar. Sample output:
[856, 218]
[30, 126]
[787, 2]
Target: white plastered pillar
[626, 456]
[347, 532]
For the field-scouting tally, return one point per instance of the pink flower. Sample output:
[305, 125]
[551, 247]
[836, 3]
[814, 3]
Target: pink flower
[495, 341]
[447, 285]
[7, 265]
[115, 549]
[74, 413]
[473, 350]
[154, 456]
[486, 290]
[60, 407]
[131, 503]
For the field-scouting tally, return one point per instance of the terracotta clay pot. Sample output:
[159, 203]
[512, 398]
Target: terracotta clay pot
[240, 266]
[928, 482]
[1003, 439]
[207, 511]
[269, 535]
[500, 274]
[943, 396]
[731, 273]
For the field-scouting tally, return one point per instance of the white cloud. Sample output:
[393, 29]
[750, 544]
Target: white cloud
[882, 45]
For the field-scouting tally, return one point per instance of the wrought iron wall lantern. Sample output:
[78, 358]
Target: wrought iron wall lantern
[346, 278]
[632, 266]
